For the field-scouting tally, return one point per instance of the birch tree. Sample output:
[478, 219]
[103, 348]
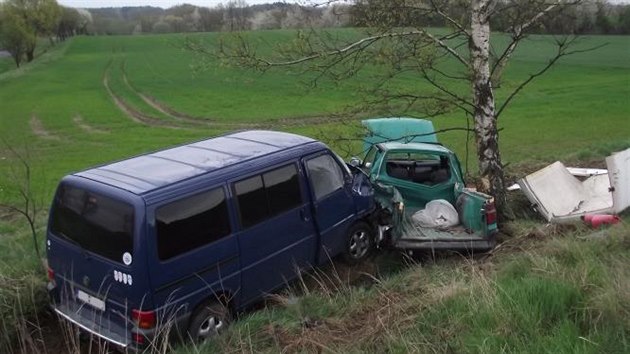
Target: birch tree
[457, 69]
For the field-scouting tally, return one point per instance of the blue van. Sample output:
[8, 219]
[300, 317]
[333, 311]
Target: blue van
[187, 235]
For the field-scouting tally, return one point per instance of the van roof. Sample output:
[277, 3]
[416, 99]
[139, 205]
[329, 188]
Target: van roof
[150, 171]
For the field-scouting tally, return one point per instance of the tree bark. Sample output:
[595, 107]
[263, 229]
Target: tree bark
[16, 58]
[486, 132]
[30, 55]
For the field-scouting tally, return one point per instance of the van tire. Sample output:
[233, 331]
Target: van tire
[359, 243]
[207, 321]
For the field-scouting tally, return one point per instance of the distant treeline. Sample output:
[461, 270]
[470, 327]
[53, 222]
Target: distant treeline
[22, 22]
[589, 17]
[231, 16]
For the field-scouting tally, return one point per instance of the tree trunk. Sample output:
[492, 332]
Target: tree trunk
[30, 55]
[17, 58]
[486, 132]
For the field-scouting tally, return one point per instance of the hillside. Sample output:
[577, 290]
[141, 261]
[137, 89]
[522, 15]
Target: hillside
[96, 99]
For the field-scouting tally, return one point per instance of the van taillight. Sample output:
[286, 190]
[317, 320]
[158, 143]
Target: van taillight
[51, 274]
[138, 338]
[491, 213]
[143, 319]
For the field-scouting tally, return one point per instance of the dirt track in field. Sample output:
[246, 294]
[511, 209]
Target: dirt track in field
[38, 129]
[178, 120]
[78, 120]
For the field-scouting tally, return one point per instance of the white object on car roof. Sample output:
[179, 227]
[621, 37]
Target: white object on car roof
[559, 196]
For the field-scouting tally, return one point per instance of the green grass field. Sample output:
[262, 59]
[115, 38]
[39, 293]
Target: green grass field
[96, 99]
[580, 104]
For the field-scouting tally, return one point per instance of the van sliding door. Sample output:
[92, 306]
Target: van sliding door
[277, 236]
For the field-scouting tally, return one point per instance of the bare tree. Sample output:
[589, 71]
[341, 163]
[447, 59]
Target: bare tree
[459, 63]
[235, 13]
[20, 178]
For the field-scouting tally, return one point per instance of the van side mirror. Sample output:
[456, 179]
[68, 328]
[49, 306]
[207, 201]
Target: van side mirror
[355, 162]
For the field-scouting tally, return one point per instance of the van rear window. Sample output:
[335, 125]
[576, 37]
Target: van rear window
[96, 223]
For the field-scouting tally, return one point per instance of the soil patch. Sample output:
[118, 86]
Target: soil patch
[38, 129]
[78, 120]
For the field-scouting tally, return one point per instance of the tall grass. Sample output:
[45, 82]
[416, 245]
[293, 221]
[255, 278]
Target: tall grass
[566, 294]
[22, 289]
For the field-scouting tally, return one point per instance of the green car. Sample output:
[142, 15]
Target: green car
[419, 185]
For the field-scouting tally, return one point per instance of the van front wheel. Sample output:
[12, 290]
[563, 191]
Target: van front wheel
[359, 242]
[208, 321]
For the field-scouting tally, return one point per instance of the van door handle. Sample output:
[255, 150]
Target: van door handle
[303, 215]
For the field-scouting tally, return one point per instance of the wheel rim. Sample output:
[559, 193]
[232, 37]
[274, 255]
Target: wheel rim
[211, 326]
[359, 244]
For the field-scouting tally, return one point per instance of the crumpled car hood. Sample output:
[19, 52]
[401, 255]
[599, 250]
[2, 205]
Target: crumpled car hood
[405, 130]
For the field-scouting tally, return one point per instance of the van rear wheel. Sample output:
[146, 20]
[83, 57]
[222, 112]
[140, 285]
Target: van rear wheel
[208, 321]
[359, 242]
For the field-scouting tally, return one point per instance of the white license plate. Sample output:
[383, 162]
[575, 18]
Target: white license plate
[91, 300]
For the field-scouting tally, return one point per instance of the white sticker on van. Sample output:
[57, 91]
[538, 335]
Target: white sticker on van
[123, 277]
[127, 258]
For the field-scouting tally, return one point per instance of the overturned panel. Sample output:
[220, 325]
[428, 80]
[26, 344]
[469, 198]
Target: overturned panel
[619, 173]
[559, 196]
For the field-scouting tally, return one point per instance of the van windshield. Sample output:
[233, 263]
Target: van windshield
[96, 223]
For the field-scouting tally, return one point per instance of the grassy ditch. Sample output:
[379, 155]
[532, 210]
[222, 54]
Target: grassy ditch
[545, 289]
[565, 289]
[22, 293]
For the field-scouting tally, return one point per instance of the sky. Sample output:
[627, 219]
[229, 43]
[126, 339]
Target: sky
[169, 3]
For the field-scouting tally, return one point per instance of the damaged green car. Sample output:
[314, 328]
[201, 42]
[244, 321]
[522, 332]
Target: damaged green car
[420, 188]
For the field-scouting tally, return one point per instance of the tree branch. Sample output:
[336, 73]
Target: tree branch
[446, 47]
[455, 96]
[562, 46]
[366, 42]
[450, 19]
[518, 33]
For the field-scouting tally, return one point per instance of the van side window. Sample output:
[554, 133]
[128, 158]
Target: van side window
[325, 175]
[267, 195]
[283, 189]
[191, 222]
[252, 201]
